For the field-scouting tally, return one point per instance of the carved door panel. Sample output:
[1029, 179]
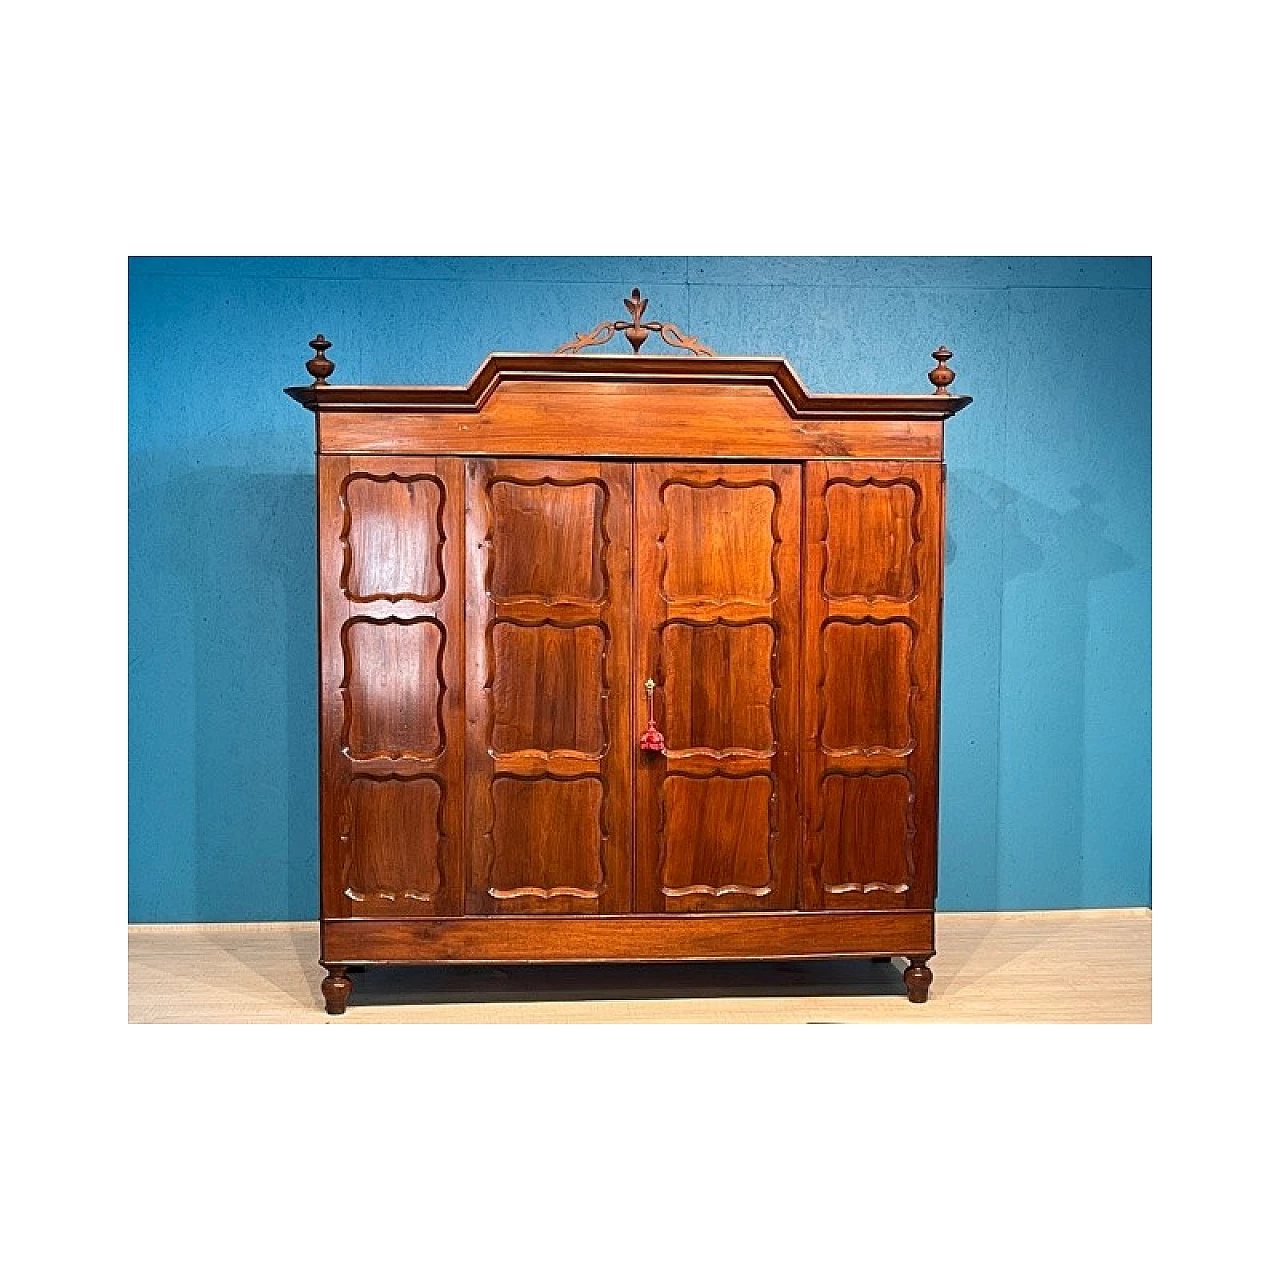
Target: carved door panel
[872, 600]
[549, 756]
[718, 630]
[392, 724]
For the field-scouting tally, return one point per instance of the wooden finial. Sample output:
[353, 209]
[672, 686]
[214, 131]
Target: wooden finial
[320, 366]
[942, 377]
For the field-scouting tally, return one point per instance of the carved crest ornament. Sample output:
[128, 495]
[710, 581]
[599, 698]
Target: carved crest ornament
[636, 331]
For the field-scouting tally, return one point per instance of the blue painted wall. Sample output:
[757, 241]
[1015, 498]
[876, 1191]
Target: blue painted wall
[1046, 752]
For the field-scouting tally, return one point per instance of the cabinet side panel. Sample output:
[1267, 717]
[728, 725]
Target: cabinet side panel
[872, 614]
[392, 738]
[335, 612]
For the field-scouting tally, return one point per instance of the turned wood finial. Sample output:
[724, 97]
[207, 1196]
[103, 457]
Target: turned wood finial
[635, 331]
[320, 366]
[942, 377]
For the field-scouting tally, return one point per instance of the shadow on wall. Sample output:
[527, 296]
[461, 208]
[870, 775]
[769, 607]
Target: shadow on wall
[1049, 559]
[240, 546]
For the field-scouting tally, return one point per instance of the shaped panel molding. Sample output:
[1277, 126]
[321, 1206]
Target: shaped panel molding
[719, 685]
[393, 688]
[866, 831]
[548, 688]
[547, 838]
[866, 687]
[392, 834]
[871, 541]
[548, 541]
[720, 541]
[392, 537]
[717, 835]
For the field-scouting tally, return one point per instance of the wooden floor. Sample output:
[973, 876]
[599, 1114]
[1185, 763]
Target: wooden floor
[1051, 966]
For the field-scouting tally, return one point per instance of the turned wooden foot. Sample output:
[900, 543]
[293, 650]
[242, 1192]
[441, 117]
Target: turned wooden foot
[336, 989]
[918, 976]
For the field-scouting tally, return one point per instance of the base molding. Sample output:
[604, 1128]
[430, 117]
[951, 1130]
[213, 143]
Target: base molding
[558, 939]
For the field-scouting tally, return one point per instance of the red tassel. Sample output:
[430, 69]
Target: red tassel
[651, 739]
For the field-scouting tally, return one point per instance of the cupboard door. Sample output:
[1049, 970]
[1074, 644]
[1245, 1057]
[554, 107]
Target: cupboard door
[717, 629]
[548, 687]
[392, 739]
[872, 605]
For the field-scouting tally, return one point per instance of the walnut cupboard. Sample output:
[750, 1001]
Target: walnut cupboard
[627, 657]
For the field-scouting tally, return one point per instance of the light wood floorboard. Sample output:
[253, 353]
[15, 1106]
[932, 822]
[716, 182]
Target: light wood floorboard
[1050, 966]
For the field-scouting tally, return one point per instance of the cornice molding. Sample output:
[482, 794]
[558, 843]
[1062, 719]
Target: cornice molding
[773, 372]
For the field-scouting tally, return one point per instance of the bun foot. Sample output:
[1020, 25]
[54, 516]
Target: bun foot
[336, 989]
[918, 976]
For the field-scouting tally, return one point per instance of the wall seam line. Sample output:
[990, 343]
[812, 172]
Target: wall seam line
[1004, 517]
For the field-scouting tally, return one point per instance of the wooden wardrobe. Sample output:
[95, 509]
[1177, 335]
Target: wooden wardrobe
[627, 657]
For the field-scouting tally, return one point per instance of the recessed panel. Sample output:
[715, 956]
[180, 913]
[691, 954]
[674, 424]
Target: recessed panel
[866, 832]
[871, 540]
[718, 542]
[717, 835]
[393, 688]
[718, 687]
[548, 541]
[548, 688]
[393, 538]
[547, 838]
[392, 843]
[865, 698]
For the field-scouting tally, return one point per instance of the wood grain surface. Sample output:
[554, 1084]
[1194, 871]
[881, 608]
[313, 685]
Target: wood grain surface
[717, 622]
[872, 637]
[549, 717]
[392, 731]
